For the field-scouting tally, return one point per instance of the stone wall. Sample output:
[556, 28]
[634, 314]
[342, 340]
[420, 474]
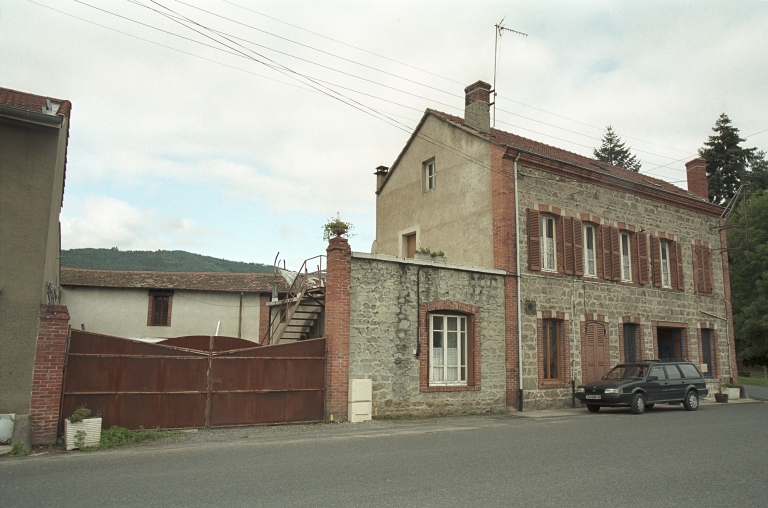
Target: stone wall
[384, 332]
[575, 297]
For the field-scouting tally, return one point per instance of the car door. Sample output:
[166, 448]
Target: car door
[656, 388]
[676, 383]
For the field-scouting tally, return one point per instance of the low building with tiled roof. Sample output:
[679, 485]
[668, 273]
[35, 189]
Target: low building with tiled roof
[34, 130]
[158, 305]
[603, 265]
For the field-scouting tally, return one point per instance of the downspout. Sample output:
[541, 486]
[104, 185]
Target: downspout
[418, 311]
[519, 306]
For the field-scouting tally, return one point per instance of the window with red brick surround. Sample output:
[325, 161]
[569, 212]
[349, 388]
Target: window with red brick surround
[472, 315]
[639, 340]
[554, 350]
[160, 304]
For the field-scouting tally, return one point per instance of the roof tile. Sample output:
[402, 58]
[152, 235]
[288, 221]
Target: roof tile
[32, 102]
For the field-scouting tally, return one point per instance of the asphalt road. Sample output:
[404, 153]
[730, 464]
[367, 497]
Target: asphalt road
[716, 456]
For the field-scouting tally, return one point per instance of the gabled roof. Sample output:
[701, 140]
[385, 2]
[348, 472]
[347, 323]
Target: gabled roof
[33, 103]
[518, 142]
[197, 281]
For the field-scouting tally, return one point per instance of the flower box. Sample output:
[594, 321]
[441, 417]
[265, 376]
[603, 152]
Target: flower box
[90, 426]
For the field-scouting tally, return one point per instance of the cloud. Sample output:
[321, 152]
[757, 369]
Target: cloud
[102, 221]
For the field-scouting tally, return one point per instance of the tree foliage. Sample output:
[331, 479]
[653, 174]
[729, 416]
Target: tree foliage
[613, 151]
[157, 261]
[749, 280]
[728, 163]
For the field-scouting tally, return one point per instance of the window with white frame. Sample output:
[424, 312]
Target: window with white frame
[429, 176]
[590, 255]
[626, 263]
[548, 243]
[448, 349]
[665, 278]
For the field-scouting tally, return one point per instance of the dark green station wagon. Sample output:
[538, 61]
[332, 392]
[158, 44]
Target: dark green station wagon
[640, 385]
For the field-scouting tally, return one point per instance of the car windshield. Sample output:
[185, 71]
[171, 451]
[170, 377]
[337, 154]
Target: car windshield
[627, 372]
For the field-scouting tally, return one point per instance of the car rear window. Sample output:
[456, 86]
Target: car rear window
[672, 372]
[689, 370]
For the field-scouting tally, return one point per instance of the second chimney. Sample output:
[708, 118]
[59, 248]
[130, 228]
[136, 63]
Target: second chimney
[477, 107]
[697, 177]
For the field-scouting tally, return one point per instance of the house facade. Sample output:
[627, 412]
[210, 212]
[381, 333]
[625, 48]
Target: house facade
[34, 131]
[159, 305]
[601, 265]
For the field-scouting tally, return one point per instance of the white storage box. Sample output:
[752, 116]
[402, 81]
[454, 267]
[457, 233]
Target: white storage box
[359, 396]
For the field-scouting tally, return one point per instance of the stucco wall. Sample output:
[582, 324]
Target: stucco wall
[461, 200]
[577, 296]
[31, 172]
[123, 312]
[384, 333]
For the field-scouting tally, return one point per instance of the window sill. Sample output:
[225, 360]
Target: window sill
[449, 388]
[544, 385]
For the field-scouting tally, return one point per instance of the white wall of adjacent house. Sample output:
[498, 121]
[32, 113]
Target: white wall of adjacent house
[124, 313]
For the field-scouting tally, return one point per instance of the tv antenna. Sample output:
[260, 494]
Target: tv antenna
[500, 29]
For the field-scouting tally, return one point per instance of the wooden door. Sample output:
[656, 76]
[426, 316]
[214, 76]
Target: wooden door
[410, 245]
[594, 357]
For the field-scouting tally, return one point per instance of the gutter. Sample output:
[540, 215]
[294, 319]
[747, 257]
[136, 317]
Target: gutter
[519, 307]
[32, 117]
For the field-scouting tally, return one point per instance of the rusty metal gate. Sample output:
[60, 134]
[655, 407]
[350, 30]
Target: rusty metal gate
[193, 382]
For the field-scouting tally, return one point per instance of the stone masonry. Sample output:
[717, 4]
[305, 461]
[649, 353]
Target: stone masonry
[384, 332]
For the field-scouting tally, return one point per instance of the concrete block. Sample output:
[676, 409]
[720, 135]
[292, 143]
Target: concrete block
[22, 431]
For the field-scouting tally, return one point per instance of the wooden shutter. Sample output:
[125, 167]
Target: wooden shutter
[570, 258]
[534, 240]
[560, 243]
[634, 258]
[615, 254]
[698, 274]
[471, 381]
[606, 248]
[578, 247]
[678, 261]
[642, 257]
[672, 253]
[599, 251]
[707, 269]
[656, 260]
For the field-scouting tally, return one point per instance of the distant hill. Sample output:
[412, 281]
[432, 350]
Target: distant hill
[157, 261]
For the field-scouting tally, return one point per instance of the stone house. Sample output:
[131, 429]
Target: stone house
[598, 264]
[34, 132]
[160, 305]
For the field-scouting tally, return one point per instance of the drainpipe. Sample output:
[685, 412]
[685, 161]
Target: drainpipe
[519, 306]
[727, 338]
[418, 311]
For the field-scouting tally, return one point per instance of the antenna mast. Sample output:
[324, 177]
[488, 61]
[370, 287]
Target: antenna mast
[500, 28]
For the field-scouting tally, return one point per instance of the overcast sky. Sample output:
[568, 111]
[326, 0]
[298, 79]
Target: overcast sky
[177, 144]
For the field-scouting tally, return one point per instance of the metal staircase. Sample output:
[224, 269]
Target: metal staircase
[299, 315]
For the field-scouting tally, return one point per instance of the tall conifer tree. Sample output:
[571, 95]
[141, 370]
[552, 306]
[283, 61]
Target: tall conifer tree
[613, 151]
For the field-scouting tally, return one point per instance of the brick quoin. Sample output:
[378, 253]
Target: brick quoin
[48, 373]
[337, 318]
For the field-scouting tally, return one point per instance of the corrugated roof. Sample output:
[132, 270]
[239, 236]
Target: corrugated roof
[32, 102]
[514, 141]
[198, 281]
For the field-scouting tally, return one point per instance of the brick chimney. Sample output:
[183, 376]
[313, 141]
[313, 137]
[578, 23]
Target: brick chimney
[697, 177]
[477, 107]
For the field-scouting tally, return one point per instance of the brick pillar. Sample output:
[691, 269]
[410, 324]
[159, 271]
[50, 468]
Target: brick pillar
[337, 313]
[48, 372]
[263, 316]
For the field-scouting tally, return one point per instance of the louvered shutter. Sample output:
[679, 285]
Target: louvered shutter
[672, 253]
[707, 269]
[642, 257]
[560, 243]
[534, 240]
[677, 260]
[578, 247]
[607, 263]
[698, 274]
[634, 257]
[568, 247]
[615, 254]
[599, 252]
[656, 260]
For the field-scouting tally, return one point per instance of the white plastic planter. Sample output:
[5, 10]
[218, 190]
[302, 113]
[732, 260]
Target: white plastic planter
[91, 427]
[733, 393]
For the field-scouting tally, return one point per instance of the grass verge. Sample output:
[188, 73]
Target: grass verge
[120, 436]
[754, 381]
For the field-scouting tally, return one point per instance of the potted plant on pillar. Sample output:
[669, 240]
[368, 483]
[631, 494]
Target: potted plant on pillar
[80, 430]
[337, 228]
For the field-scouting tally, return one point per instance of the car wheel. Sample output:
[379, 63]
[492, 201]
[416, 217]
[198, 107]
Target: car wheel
[638, 404]
[593, 408]
[649, 406]
[691, 401]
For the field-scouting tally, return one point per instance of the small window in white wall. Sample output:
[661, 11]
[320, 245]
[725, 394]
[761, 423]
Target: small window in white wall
[548, 258]
[429, 177]
[626, 263]
[589, 251]
[665, 282]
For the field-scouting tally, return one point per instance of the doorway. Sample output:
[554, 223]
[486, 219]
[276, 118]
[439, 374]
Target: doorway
[670, 342]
